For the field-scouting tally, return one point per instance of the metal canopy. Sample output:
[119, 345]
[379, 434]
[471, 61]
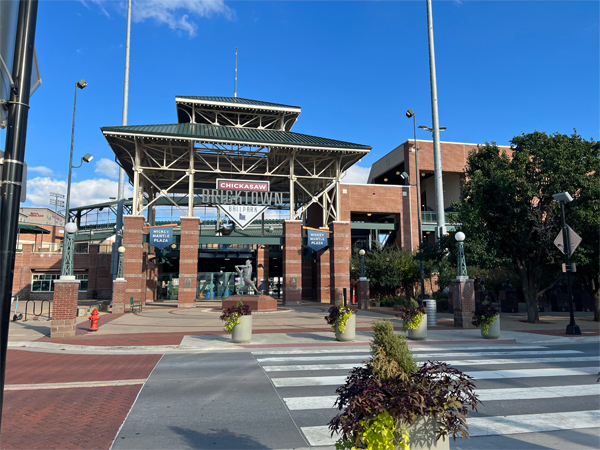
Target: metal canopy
[184, 158]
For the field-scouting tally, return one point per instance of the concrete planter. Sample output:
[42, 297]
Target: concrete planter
[421, 435]
[419, 333]
[494, 331]
[242, 332]
[350, 333]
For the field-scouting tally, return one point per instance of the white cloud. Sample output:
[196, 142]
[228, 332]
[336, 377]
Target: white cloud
[107, 167]
[356, 175]
[42, 170]
[85, 192]
[176, 14]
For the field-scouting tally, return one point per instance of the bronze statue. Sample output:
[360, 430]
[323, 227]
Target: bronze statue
[245, 272]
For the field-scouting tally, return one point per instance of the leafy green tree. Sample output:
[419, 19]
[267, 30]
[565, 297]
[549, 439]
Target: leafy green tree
[508, 213]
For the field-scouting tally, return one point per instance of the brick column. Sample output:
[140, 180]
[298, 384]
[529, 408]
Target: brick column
[119, 297]
[323, 272]
[340, 259]
[363, 293]
[292, 262]
[463, 296]
[262, 267]
[64, 307]
[133, 231]
[188, 262]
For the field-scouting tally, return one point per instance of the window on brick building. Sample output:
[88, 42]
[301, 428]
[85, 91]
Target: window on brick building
[45, 282]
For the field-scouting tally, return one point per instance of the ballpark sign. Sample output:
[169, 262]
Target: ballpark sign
[161, 237]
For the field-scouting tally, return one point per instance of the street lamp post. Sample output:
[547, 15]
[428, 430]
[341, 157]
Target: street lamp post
[67, 260]
[461, 272]
[410, 113]
[121, 250]
[361, 253]
[562, 198]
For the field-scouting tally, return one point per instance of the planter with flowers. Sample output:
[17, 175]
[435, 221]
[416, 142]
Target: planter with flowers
[488, 317]
[238, 322]
[392, 403]
[343, 322]
[414, 320]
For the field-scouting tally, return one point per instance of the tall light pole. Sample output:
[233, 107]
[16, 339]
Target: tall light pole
[562, 198]
[56, 201]
[437, 155]
[410, 113]
[121, 188]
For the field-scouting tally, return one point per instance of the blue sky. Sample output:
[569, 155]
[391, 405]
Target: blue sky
[503, 68]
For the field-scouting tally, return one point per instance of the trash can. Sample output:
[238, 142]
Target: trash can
[430, 310]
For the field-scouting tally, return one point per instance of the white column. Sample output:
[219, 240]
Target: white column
[191, 183]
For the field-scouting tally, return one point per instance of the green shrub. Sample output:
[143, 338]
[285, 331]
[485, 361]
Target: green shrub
[390, 350]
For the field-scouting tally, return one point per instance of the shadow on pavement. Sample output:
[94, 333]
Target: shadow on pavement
[217, 439]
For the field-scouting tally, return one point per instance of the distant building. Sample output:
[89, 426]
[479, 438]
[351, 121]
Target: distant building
[41, 216]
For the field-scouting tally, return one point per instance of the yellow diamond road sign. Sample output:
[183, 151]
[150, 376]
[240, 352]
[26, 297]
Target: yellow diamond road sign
[574, 241]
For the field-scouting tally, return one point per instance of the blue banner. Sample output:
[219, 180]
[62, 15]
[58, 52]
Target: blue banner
[161, 237]
[317, 239]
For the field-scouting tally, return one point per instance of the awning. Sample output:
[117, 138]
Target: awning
[32, 229]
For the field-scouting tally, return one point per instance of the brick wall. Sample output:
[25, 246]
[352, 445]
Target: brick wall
[64, 309]
[262, 267]
[133, 231]
[120, 301]
[340, 259]
[188, 262]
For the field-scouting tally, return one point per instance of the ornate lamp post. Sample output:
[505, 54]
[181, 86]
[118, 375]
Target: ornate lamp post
[121, 250]
[462, 263]
[361, 253]
[66, 268]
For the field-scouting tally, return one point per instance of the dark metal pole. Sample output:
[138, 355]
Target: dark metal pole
[572, 327]
[418, 187]
[12, 175]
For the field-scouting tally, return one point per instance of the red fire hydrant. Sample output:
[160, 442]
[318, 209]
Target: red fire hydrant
[94, 320]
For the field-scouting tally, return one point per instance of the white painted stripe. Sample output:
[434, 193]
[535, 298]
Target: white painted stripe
[489, 426]
[531, 373]
[532, 423]
[414, 349]
[423, 356]
[488, 395]
[309, 381]
[485, 395]
[458, 362]
[78, 384]
[480, 375]
[301, 403]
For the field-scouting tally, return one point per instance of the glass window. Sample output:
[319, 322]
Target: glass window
[44, 282]
[83, 282]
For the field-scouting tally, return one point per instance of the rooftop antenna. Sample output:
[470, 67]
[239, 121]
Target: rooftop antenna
[235, 84]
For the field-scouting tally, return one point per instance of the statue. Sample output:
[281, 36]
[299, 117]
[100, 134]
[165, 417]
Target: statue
[245, 272]
[481, 284]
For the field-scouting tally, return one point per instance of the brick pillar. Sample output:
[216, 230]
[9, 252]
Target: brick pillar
[188, 262]
[363, 293]
[119, 297]
[64, 307]
[323, 273]
[262, 267]
[463, 296]
[340, 259]
[133, 231]
[292, 262]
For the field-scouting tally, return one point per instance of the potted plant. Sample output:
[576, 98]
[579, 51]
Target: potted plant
[343, 322]
[391, 403]
[488, 317]
[414, 320]
[238, 322]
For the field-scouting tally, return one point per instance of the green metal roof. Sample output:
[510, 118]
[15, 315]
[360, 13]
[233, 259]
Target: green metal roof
[32, 229]
[202, 132]
[240, 101]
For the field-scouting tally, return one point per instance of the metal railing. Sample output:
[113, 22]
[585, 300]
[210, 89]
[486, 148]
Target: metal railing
[431, 217]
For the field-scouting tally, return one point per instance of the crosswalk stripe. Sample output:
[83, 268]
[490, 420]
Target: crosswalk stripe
[424, 356]
[458, 362]
[413, 349]
[485, 395]
[489, 426]
[478, 375]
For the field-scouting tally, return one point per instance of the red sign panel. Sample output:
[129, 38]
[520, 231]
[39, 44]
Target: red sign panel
[243, 185]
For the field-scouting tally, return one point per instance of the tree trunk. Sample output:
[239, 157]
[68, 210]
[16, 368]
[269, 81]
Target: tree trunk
[530, 294]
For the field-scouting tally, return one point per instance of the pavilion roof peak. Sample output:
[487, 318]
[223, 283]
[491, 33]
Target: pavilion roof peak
[236, 102]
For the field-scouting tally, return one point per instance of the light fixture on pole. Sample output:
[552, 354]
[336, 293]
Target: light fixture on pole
[67, 266]
[411, 114]
[66, 269]
[361, 253]
[562, 198]
[461, 272]
[121, 250]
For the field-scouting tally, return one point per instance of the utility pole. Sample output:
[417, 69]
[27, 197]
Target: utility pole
[437, 156]
[12, 173]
